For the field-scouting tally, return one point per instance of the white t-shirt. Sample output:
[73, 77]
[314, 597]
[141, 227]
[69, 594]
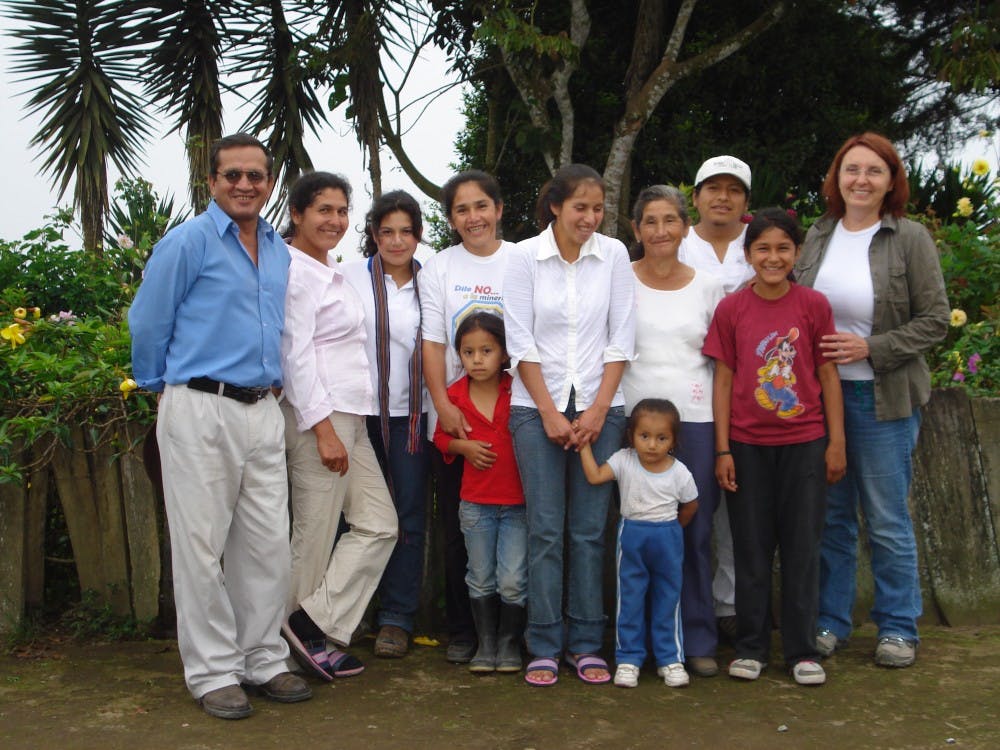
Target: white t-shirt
[670, 331]
[404, 322]
[647, 496]
[453, 284]
[845, 277]
[733, 271]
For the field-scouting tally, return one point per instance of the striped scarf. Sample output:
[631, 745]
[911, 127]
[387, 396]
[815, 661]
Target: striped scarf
[382, 358]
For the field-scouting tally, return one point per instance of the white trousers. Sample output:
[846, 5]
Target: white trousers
[226, 495]
[724, 582]
[334, 587]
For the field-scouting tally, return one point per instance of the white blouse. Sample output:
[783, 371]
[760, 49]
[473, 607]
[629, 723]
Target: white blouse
[404, 322]
[324, 361]
[734, 271]
[572, 318]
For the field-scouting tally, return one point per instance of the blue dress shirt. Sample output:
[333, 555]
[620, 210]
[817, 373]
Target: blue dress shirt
[204, 309]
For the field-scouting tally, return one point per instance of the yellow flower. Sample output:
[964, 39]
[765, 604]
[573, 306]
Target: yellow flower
[964, 207]
[127, 386]
[13, 334]
[958, 318]
[980, 167]
[20, 312]
[36, 312]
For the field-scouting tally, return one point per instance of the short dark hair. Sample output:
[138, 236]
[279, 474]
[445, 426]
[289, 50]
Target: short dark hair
[563, 184]
[772, 218]
[236, 140]
[486, 182]
[304, 190]
[481, 320]
[895, 200]
[385, 204]
[656, 406]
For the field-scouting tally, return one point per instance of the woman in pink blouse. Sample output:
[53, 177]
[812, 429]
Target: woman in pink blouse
[331, 464]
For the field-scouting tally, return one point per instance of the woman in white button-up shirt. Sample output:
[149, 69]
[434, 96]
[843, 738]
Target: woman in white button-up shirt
[569, 310]
[331, 463]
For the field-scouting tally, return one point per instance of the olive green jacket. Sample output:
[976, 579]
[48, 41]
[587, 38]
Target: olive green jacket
[911, 307]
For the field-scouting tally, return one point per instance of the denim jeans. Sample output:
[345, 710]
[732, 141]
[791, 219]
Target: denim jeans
[558, 497]
[496, 537]
[399, 590]
[879, 471]
[697, 453]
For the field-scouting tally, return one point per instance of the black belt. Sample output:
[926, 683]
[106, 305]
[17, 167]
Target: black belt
[246, 395]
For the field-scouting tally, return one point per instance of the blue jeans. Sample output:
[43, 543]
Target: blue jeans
[697, 453]
[399, 590]
[496, 537]
[558, 497]
[878, 476]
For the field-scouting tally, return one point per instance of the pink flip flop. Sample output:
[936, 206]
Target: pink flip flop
[542, 664]
[584, 662]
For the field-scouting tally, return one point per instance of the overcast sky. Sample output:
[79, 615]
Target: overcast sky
[26, 196]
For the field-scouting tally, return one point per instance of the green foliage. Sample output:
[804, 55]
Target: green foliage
[92, 618]
[969, 240]
[65, 356]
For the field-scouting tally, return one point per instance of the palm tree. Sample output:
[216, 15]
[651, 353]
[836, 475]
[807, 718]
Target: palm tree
[181, 74]
[75, 52]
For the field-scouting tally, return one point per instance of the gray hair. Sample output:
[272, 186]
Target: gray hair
[661, 193]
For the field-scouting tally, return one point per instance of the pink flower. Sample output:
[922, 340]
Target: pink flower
[974, 361]
[958, 377]
[791, 212]
[746, 218]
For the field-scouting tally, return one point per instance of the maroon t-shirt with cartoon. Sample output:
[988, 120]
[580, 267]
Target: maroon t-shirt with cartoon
[772, 347]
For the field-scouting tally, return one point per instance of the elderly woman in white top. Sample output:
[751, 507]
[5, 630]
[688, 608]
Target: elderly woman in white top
[570, 318]
[675, 304]
[331, 463]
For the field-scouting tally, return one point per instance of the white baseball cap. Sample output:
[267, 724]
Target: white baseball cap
[724, 165]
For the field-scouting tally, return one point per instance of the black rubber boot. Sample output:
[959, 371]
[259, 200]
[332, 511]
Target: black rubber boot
[510, 633]
[485, 612]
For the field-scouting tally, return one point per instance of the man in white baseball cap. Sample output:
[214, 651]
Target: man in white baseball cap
[715, 246]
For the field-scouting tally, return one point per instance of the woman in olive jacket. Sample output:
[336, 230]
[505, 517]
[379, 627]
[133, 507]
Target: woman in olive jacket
[882, 275]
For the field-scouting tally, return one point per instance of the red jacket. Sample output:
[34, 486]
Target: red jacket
[500, 484]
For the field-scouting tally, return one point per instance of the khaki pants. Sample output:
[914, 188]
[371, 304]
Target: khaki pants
[334, 588]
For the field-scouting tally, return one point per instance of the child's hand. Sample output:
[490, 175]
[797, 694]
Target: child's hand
[725, 473]
[836, 462]
[478, 453]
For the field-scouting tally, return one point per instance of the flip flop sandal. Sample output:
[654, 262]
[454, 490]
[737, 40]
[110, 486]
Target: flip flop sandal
[343, 664]
[584, 662]
[542, 664]
[310, 654]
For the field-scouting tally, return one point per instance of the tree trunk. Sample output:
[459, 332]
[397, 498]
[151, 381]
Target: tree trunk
[140, 510]
[13, 511]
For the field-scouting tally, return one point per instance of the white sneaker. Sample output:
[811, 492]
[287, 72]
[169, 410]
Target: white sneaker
[808, 673]
[746, 669]
[674, 675]
[627, 675]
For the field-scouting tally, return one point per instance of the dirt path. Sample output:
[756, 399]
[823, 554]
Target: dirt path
[131, 695]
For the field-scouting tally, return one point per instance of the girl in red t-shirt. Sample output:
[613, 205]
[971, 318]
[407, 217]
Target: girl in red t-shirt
[491, 513]
[779, 429]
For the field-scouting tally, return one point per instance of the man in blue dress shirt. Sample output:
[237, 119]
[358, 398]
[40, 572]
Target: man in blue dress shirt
[206, 328]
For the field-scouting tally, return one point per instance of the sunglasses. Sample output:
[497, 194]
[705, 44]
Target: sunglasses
[233, 176]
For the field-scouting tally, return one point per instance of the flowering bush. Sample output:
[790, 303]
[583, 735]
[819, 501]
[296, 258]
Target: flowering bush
[969, 240]
[65, 353]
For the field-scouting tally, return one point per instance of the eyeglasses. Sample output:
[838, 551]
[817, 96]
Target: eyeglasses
[233, 176]
[853, 170]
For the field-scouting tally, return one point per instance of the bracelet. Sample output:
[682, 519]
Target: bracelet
[723, 453]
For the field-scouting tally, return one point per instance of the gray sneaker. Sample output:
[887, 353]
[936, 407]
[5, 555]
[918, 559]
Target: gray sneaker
[895, 651]
[826, 642]
[746, 669]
